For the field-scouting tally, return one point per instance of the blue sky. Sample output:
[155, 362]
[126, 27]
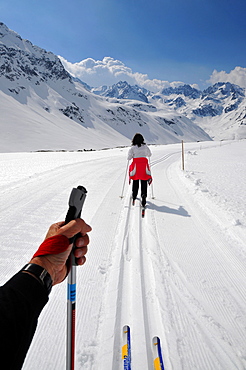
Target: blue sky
[169, 40]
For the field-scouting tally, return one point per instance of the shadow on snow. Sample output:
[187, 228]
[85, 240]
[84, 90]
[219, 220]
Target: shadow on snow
[180, 211]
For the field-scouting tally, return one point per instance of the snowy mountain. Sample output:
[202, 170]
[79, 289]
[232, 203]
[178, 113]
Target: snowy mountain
[218, 109]
[215, 100]
[185, 90]
[43, 107]
[122, 90]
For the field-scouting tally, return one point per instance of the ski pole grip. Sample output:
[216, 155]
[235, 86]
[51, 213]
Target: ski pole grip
[76, 202]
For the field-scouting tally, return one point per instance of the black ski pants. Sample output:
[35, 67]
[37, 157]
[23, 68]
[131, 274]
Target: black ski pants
[135, 187]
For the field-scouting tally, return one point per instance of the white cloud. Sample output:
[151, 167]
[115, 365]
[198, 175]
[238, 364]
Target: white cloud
[237, 76]
[110, 71]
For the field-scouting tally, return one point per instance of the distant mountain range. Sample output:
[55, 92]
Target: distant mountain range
[43, 107]
[223, 105]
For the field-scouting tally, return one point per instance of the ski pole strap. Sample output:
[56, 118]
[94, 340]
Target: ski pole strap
[54, 245]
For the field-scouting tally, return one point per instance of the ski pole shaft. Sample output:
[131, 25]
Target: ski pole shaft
[152, 187]
[76, 201]
[152, 190]
[71, 319]
[121, 196]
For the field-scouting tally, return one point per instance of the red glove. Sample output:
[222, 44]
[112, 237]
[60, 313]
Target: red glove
[54, 245]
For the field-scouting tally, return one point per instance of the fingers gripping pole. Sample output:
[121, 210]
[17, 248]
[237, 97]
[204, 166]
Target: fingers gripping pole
[122, 196]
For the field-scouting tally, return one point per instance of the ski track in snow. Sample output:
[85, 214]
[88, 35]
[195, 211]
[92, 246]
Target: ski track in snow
[178, 273]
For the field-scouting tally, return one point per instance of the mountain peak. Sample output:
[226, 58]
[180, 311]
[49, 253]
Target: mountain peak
[185, 90]
[225, 89]
[21, 60]
[122, 90]
[11, 39]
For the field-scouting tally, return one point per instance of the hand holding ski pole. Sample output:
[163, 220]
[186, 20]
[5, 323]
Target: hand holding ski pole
[54, 252]
[76, 202]
[59, 255]
[27, 291]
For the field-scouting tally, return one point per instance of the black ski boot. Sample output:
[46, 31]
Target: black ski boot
[143, 200]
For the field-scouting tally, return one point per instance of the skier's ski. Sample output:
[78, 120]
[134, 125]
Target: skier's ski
[126, 348]
[158, 360]
[142, 208]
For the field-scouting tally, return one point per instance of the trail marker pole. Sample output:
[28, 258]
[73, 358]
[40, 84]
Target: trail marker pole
[182, 155]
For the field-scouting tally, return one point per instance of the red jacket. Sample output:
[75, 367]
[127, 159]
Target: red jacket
[139, 169]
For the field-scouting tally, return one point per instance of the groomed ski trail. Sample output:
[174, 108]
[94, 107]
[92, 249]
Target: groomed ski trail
[132, 290]
[195, 311]
[203, 317]
[176, 274]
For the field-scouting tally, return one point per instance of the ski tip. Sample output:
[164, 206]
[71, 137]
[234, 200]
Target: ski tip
[158, 360]
[156, 341]
[126, 329]
[126, 348]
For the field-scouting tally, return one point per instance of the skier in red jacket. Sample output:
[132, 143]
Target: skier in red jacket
[139, 168]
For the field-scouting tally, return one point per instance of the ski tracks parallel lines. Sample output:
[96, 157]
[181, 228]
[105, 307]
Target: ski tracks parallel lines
[193, 318]
[152, 318]
[176, 320]
[116, 304]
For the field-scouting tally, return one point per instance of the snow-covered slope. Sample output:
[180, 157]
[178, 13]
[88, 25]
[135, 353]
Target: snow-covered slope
[179, 273]
[43, 107]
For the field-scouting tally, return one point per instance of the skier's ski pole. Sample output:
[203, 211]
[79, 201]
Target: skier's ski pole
[152, 188]
[76, 201]
[121, 196]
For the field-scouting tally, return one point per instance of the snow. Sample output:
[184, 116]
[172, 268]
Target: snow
[179, 273]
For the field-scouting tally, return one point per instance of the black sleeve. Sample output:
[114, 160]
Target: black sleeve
[22, 299]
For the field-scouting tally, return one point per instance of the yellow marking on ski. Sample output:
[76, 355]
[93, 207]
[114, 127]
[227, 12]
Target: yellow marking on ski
[124, 351]
[157, 364]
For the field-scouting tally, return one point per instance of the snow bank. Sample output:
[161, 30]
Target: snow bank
[216, 179]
